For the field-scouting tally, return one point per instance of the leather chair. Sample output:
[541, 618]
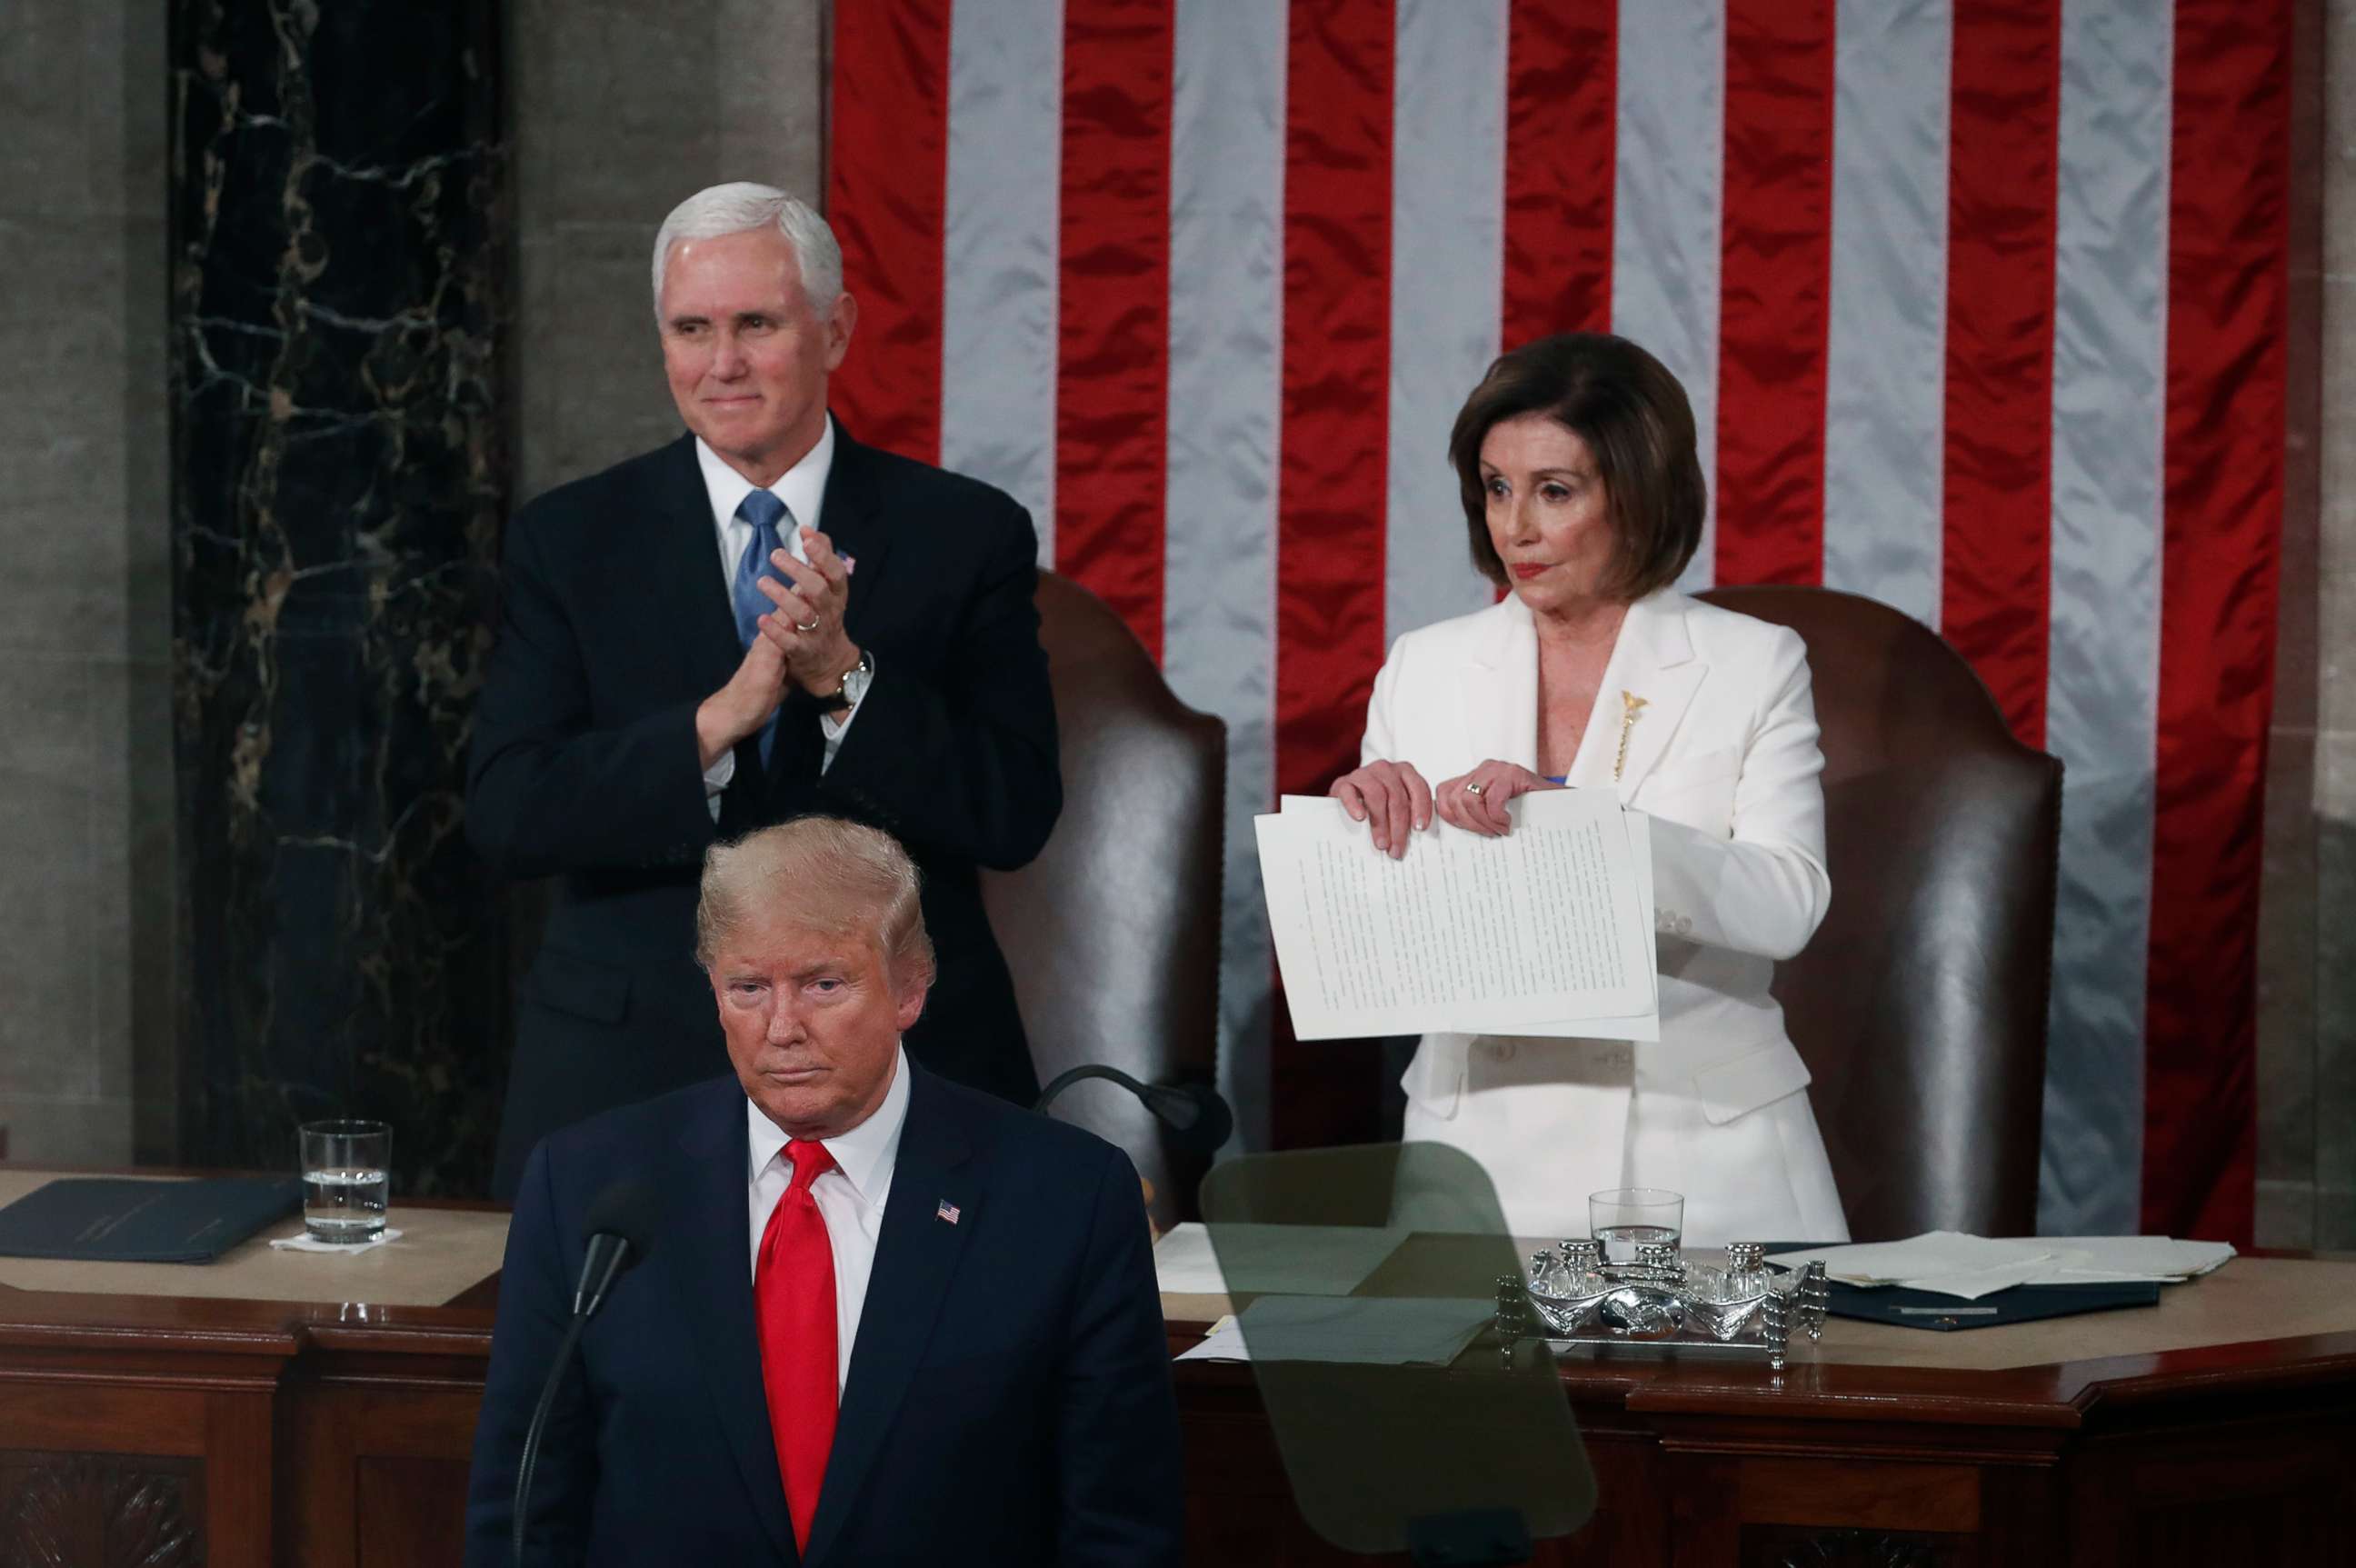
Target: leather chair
[1113, 933]
[1920, 1005]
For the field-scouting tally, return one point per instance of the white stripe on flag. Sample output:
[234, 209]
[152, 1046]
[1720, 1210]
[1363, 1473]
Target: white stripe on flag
[2103, 671]
[1226, 275]
[1885, 373]
[1670, 165]
[1001, 252]
[1448, 243]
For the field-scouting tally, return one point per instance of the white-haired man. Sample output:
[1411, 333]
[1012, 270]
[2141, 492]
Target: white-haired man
[762, 618]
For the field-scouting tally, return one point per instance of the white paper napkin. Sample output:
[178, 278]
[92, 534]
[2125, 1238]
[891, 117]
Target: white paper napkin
[304, 1241]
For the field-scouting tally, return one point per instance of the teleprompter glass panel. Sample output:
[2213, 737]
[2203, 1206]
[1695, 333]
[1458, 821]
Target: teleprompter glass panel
[1363, 1280]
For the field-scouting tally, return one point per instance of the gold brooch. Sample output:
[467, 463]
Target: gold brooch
[1629, 704]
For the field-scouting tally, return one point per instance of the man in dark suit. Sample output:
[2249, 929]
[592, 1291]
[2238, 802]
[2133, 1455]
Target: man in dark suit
[879, 1320]
[685, 653]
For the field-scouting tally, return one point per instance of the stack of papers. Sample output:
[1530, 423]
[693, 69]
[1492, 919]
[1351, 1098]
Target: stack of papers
[1545, 931]
[1948, 1263]
[1366, 1331]
[1282, 1260]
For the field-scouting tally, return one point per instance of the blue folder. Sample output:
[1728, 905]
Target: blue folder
[2019, 1304]
[1930, 1309]
[114, 1219]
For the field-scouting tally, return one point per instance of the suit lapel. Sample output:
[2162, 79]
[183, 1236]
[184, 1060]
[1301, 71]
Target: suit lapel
[1498, 688]
[710, 1267]
[1654, 662]
[683, 573]
[916, 1255]
[851, 518]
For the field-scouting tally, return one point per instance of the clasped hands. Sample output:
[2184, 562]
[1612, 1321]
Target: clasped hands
[1393, 801]
[801, 642]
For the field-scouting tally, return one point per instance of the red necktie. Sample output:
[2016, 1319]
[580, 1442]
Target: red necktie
[793, 1297]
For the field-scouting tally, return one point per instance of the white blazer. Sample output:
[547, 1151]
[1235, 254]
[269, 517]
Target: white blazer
[1723, 757]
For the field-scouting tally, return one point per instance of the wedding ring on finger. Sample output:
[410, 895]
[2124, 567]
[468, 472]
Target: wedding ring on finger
[810, 625]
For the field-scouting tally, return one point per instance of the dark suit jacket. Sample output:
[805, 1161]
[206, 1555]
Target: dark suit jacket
[1009, 1395]
[615, 624]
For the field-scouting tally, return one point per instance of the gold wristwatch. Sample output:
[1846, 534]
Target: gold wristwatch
[850, 686]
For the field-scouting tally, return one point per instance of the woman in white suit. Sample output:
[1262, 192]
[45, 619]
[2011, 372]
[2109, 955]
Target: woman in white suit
[1583, 496]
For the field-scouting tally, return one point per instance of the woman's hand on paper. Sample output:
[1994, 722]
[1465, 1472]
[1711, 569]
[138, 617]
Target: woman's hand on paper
[1390, 798]
[1476, 801]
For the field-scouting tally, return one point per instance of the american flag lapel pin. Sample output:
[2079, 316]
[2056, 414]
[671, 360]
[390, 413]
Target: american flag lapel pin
[948, 1211]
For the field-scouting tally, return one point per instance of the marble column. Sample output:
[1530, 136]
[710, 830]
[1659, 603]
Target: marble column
[337, 255]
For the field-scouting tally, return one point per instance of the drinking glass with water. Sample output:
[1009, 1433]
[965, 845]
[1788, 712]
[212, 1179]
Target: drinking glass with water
[346, 1179]
[1623, 1218]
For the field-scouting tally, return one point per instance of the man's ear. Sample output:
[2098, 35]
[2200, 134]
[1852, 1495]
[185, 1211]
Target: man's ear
[842, 318]
[911, 1003]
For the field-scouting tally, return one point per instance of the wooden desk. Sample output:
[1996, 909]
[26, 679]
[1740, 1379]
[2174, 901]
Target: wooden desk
[2218, 1429]
[167, 1429]
[207, 1427]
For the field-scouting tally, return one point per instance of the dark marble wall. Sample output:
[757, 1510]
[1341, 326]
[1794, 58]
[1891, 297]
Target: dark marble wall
[338, 258]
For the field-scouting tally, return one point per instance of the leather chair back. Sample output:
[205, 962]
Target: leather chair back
[1920, 1005]
[1113, 933]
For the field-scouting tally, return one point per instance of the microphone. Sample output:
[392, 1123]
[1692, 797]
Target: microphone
[621, 1231]
[1192, 1111]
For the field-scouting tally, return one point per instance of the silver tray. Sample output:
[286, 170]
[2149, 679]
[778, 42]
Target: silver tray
[1661, 1308]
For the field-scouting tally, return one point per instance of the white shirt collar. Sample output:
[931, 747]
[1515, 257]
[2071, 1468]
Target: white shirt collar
[865, 1154]
[802, 487]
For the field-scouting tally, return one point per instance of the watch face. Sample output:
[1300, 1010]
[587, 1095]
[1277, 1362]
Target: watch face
[854, 680]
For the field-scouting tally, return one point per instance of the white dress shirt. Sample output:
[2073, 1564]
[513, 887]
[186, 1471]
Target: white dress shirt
[850, 1197]
[802, 488]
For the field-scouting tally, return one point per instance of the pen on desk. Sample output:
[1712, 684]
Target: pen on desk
[1946, 1311]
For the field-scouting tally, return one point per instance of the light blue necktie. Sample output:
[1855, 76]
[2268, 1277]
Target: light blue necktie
[763, 511]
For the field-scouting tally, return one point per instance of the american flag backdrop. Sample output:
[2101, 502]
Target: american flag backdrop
[1980, 304]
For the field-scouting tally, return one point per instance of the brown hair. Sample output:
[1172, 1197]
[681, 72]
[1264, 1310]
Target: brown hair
[1632, 415]
[827, 873]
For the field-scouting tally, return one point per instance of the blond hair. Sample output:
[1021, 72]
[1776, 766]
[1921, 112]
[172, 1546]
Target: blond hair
[822, 872]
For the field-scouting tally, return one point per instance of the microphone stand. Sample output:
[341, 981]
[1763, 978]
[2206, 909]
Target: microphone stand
[1193, 1111]
[606, 1255]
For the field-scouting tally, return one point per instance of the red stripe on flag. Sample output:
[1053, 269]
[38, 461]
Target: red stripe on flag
[1113, 350]
[1775, 270]
[1335, 385]
[2228, 289]
[888, 148]
[1561, 125]
[1996, 596]
[1330, 473]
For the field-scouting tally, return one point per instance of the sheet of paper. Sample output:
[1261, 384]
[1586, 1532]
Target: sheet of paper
[1378, 1331]
[1644, 1025]
[1291, 1259]
[1949, 1263]
[2093, 1259]
[1225, 1342]
[1546, 930]
[1934, 1253]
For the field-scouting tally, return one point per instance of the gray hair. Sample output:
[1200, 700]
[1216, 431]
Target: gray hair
[822, 872]
[741, 207]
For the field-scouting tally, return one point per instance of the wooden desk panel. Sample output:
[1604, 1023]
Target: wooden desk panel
[165, 1429]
